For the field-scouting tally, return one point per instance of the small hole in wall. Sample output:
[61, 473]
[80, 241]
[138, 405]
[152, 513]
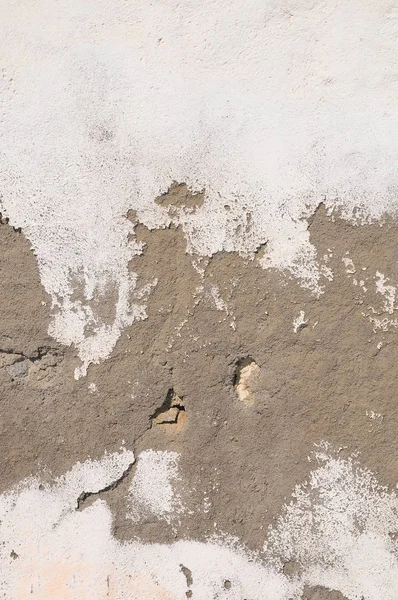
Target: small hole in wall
[170, 411]
[241, 365]
[227, 584]
[245, 372]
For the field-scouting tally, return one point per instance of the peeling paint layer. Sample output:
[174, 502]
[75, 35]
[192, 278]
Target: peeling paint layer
[105, 105]
[339, 530]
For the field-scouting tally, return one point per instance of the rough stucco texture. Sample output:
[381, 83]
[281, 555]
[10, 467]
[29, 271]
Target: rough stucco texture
[198, 307]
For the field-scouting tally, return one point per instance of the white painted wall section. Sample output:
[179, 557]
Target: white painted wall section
[269, 106]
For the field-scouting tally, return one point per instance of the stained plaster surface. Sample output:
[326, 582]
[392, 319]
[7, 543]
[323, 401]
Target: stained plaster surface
[198, 301]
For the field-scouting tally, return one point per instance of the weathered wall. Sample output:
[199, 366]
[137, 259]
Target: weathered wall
[198, 297]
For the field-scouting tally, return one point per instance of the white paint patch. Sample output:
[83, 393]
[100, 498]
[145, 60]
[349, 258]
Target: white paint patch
[388, 291]
[326, 272]
[340, 528]
[92, 475]
[215, 295]
[299, 322]
[385, 324]
[374, 416]
[152, 490]
[349, 265]
[104, 105]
